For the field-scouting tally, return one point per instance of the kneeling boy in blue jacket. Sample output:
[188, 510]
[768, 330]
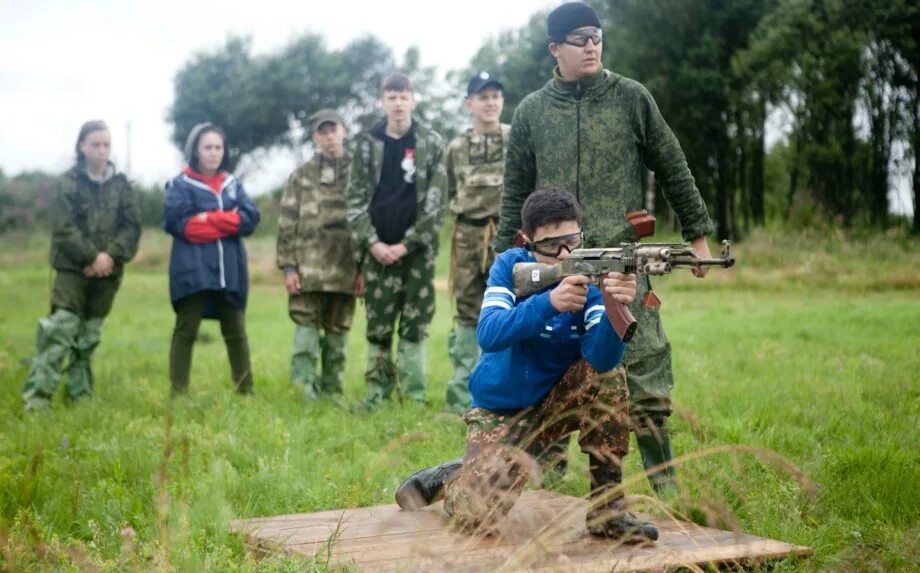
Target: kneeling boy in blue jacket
[550, 366]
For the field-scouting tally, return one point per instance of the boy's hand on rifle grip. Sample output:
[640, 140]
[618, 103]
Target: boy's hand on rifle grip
[621, 286]
[571, 294]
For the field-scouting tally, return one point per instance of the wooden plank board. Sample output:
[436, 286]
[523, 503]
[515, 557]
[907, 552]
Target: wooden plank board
[545, 532]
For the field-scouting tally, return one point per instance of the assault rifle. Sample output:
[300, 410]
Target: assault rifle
[635, 258]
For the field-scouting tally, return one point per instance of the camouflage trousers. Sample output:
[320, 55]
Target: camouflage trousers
[471, 258]
[499, 447]
[648, 358]
[72, 332]
[402, 292]
[323, 320]
[650, 378]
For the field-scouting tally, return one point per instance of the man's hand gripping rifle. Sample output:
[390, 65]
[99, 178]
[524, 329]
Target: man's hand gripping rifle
[635, 258]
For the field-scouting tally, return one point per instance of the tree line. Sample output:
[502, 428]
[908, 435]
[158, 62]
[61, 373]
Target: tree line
[833, 83]
[837, 79]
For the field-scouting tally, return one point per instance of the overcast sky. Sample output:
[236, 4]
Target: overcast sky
[63, 62]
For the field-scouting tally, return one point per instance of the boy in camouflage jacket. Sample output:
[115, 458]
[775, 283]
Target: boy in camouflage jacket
[475, 167]
[315, 252]
[395, 202]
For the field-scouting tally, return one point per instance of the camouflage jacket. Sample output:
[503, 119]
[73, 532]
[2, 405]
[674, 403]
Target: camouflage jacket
[430, 185]
[595, 138]
[475, 169]
[314, 236]
[88, 217]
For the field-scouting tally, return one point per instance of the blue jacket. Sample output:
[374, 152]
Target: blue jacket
[216, 266]
[527, 345]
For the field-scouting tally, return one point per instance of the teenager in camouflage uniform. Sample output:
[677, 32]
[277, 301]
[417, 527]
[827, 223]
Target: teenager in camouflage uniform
[594, 132]
[549, 368]
[475, 164]
[315, 253]
[395, 201]
[95, 230]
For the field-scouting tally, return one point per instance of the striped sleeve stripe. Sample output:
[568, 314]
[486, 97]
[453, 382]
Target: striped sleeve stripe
[594, 312]
[498, 303]
[502, 291]
[593, 323]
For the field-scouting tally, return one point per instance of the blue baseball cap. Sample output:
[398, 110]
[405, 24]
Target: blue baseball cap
[481, 81]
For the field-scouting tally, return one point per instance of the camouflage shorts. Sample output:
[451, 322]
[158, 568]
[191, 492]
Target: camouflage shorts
[471, 258]
[332, 311]
[498, 459]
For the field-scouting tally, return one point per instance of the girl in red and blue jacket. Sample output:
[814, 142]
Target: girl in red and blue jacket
[207, 212]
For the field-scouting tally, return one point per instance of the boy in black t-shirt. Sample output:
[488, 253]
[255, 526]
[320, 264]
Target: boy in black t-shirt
[395, 199]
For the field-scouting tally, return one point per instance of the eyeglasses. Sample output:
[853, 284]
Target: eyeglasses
[580, 39]
[552, 246]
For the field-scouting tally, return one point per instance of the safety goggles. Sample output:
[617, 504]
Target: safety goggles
[552, 246]
[579, 39]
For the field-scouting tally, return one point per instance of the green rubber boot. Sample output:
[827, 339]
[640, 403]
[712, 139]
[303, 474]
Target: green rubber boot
[463, 350]
[332, 381]
[410, 368]
[654, 442]
[303, 360]
[54, 342]
[80, 371]
[380, 376]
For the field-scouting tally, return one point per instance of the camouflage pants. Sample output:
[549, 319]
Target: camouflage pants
[498, 460]
[330, 312]
[650, 378]
[648, 359]
[73, 331]
[471, 258]
[404, 292]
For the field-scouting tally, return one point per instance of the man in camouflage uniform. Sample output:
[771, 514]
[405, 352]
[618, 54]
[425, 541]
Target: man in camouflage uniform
[315, 253]
[594, 132]
[475, 164]
[395, 202]
[95, 230]
[550, 367]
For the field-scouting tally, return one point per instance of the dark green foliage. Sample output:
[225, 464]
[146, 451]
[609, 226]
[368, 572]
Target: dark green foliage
[234, 90]
[24, 199]
[840, 79]
[265, 101]
[519, 58]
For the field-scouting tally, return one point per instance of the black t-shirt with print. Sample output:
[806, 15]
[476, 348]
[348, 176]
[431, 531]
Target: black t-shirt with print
[394, 206]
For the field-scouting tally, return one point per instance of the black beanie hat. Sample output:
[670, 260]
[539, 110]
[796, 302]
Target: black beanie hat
[568, 17]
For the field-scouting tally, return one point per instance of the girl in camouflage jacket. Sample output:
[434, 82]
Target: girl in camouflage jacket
[95, 230]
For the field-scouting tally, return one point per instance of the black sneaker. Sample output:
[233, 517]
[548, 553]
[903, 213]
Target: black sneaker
[611, 521]
[426, 486]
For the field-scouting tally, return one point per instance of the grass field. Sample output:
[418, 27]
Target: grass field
[798, 404]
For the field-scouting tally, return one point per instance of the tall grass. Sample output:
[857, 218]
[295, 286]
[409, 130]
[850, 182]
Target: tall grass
[806, 349]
